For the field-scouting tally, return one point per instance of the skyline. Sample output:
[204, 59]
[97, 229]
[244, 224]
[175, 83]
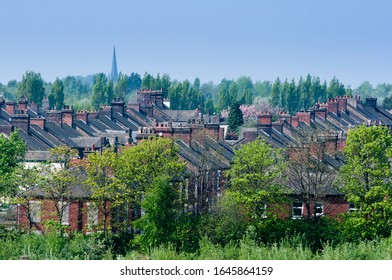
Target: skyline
[224, 39]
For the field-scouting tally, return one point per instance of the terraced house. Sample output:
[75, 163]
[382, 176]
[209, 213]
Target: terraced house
[317, 134]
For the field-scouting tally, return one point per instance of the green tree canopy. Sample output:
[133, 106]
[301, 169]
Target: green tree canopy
[367, 178]
[256, 173]
[235, 118]
[58, 94]
[32, 87]
[138, 167]
[99, 96]
[102, 182]
[12, 151]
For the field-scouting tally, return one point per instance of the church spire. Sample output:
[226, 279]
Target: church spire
[114, 74]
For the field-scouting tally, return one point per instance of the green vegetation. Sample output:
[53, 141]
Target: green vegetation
[12, 151]
[286, 95]
[367, 178]
[235, 118]
[32, 87]
[56, 98]
[16, 245]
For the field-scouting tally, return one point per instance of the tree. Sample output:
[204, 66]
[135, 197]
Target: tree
[63, 155]
[162, 210]
[209, 107]
[367, 178]
[99, 96]
[110, 92]
[310, 177]
[102, 182]
[121, 88]
[235, 118]
[32, 87]
[147, 82]
[292, 97]
[387, 103]
[256, 175]
[134, 82]
[12, 152]
[335, 88]
[364, 90]
[139, 166]
[276, 95]
[60, 187]
[58, 94]
[28, 181]
[165, 84]
[60, 184]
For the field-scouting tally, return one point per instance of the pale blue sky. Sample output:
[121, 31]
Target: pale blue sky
[207, 39]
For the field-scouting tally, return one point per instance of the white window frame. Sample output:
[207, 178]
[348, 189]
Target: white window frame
[293, 208]
[35, 211]
[352, 208]
[319, 205]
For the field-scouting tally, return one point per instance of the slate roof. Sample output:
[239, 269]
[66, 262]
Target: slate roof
[86, 128]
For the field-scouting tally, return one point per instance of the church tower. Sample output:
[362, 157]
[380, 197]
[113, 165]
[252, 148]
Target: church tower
[114, 74]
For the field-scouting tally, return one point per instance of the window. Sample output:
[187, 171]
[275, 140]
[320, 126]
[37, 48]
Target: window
[92, 214]
[297, 210]
[352, 208]
[64, 207]
[35, 211]
[319, 209]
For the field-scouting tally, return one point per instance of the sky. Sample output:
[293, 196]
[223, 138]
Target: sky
[212, 40]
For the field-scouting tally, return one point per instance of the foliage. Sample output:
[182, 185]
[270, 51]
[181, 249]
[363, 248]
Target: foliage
[110, 92]
[56, 98]
[366, 179]
[60, 187]
[99, 96]
[235, 118]
[226, 222]
[102, 183]
[256, 175]
[139, 166]
[12, 151]
[309, 174]
[161, 211]
[387, 103]
[32, 87]
[63, 155]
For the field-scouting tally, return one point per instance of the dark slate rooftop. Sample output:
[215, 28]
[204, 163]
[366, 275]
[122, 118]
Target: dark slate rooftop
[108, 122]
[44, 136]
[32, 144]
[99, 125]
[125, 121]
[86, 128]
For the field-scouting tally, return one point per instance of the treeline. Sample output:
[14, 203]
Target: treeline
[95, 90]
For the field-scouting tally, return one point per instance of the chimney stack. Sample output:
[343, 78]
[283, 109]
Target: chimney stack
[264, 123]
[10, 107]
[67, 115]
[332, 106]
[295, 121]
[371, 102]
[23, 104]
[118, 105]
[342, 104]
[82, 115]
[21, 120]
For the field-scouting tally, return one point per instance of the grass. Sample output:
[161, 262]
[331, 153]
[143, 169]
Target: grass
[15, 245]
